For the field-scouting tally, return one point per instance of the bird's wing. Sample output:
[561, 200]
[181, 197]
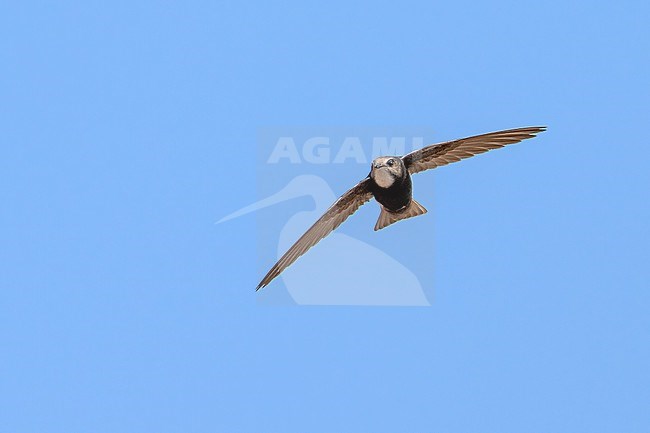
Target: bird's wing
[342, 208]
[439, 154]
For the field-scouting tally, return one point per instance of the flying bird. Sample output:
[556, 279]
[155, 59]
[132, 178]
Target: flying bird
[389, 182]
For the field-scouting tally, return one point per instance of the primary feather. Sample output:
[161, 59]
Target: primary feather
[440, 154]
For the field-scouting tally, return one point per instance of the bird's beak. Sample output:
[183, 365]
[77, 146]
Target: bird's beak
[284, 194]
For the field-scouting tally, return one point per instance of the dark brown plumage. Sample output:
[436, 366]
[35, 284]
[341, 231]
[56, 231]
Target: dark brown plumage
[392, 171]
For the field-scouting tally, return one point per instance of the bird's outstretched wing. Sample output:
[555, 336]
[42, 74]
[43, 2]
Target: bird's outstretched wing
[439, 154]
[342, 208]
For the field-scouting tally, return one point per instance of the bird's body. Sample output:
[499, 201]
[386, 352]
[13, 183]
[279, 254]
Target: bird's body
[394, 197]
[389, 182]
[393, 191]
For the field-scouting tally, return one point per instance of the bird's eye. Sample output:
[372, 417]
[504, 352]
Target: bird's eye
[390, 162]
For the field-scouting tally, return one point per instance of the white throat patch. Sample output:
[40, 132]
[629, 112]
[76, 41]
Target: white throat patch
[383, 178]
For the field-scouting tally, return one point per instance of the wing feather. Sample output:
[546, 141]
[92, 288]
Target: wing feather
[448, 152]
[342, 208]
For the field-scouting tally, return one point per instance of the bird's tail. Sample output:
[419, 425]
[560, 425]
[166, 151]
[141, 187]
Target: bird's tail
[387, 217]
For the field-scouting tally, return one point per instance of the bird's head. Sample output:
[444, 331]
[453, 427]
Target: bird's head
[385, 170]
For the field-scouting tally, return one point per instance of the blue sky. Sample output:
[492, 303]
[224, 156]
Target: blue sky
[129, 128]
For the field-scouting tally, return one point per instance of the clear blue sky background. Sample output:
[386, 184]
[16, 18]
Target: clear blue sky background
[127, 129]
